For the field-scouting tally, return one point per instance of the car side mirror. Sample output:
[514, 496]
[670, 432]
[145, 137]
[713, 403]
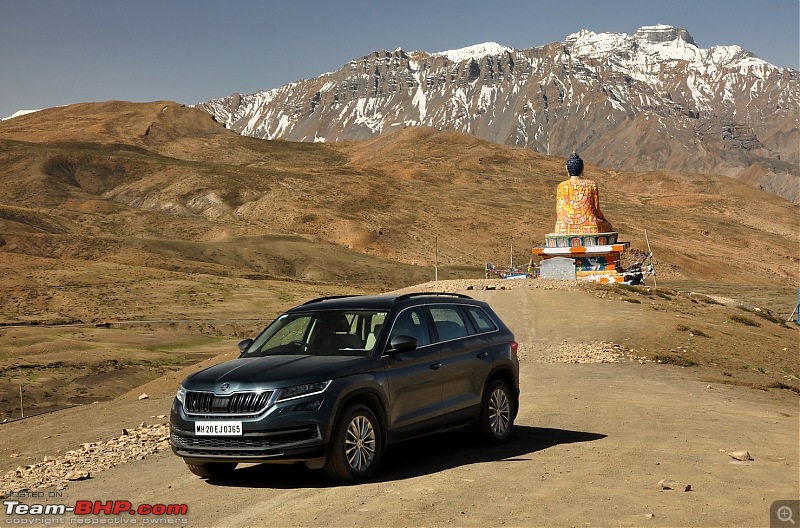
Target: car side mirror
[244, 344]
[402, 343]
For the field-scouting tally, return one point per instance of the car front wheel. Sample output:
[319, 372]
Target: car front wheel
[355, 447]
[497, 413]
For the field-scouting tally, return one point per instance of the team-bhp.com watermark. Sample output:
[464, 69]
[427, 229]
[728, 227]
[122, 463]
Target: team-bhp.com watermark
[87, 512]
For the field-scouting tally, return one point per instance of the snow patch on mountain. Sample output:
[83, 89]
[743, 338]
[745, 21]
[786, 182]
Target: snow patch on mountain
[476, 52]
[18, 113]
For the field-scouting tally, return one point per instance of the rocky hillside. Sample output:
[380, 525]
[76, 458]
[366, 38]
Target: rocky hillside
[159, 185]
[650, 101]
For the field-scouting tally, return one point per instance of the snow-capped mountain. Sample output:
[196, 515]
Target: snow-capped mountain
[650, 101]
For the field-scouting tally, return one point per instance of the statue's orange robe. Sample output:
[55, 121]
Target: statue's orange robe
[578, 209]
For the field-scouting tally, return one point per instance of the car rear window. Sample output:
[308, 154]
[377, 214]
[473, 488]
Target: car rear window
[483, 323]
[448, 321]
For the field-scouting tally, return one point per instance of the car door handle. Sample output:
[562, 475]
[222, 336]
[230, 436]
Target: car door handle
[436, 366]
[483, 355]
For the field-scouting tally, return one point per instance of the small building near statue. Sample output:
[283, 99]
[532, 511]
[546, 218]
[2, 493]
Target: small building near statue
[582, 234]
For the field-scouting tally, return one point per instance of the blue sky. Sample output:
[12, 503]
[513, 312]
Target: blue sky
[55, 52]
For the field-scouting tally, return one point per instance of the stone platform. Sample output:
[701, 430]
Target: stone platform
[595, 257]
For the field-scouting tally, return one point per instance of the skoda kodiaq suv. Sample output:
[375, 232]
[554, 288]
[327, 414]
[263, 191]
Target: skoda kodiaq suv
[332, 382]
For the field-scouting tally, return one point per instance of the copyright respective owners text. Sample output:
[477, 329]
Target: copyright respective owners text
[784, 513]
[52, 508]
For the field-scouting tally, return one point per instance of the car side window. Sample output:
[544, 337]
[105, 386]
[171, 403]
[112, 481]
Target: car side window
[483, 323]
[448, 322]
[412, 323]
[373, 329]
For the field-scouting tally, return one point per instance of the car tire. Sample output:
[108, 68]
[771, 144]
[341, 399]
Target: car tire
[496, 421]
[212, 469]
[355, 447]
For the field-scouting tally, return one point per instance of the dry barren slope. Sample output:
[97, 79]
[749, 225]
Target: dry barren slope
[106, 172]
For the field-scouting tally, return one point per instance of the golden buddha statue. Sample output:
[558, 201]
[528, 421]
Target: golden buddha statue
[584, 246]
[578, 204]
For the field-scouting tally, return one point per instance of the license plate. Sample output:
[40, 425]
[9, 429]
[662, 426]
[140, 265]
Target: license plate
[218, 428]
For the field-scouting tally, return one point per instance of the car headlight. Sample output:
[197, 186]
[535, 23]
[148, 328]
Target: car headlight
[181, 395]
[307, 389]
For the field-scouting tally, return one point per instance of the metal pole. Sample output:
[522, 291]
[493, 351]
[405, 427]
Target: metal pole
[797, 307]
[655, 281]
[436, 256]
[21, 408]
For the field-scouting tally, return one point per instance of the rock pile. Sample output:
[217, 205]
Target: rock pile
[90, 458]
[598, 352]
[462, 285]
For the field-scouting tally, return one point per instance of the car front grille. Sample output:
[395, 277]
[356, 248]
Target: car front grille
[252, 445]
[238, 403]
[253, 441]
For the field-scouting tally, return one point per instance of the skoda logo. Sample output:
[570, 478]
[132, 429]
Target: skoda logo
[224, 387]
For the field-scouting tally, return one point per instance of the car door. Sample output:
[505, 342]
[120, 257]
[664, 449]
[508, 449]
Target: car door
[414, 377]
[466, 360]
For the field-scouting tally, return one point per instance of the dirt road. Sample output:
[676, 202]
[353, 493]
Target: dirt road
[591, 445]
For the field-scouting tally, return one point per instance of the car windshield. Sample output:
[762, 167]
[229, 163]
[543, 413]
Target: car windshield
[320, 333]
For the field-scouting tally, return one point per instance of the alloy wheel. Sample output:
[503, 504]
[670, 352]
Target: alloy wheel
[499, 412]
[360, 443]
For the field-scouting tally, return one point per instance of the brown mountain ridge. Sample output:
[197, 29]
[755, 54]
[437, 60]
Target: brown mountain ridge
[131, 182]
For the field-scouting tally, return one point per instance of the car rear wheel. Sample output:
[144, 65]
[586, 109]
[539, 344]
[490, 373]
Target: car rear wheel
[355, 447]
[497, 413]
[212, 469]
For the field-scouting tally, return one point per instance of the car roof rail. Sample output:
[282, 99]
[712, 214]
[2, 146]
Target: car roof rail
[329, 297]
[421, 294]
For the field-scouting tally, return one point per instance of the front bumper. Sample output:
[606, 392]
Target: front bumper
[280, 435]
[282, 445]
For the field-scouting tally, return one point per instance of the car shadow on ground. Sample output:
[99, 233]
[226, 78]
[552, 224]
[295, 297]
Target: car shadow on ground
[414, 458]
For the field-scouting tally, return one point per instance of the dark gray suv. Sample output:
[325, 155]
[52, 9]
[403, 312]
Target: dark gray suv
[332, 382]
